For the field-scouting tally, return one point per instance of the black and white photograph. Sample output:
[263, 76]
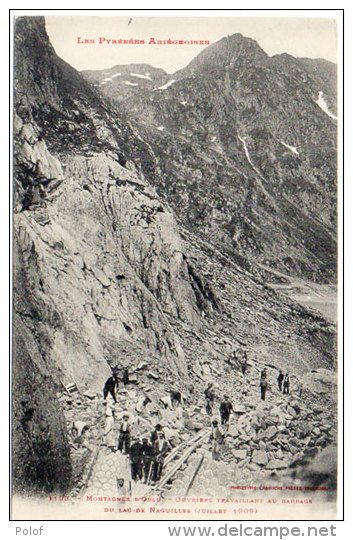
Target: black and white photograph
[175, 267]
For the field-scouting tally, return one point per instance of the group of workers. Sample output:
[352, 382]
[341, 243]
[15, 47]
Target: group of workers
[146, 454]
[282, 380]
[225, 407]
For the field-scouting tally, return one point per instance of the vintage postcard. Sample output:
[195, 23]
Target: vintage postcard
[175, 267]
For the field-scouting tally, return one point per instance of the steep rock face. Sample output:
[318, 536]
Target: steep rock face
[247, 152]
[40, 451]
[100, 255]
[124, 266]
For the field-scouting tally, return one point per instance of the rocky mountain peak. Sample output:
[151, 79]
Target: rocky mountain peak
[228, 52]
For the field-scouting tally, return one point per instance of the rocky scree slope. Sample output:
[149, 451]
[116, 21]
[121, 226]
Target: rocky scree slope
[247, 155]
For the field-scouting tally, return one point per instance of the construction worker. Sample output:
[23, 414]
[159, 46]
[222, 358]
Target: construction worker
[154, 435]
[217, 439]
[176, 398]
[147, 456]
[124, 435]
[125, 377]
[136, 453]
[225, 409]
[244, 363]
[263, 384]
[280, 380]
[111, 385]
[109, 428]
[209, 395]
[160, 450]
[286, 384]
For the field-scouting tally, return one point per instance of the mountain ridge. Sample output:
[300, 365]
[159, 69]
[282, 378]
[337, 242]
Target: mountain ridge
[289, 149]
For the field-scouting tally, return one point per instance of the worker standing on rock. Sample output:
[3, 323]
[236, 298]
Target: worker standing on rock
[124, 435]
[111, 385]
[225, 409]
[154, 435]
[160, 450]
[176, 398]
[125, 377]
[280, 380]
[263, 384]
[286, 384]
[217, 440]
[109, 428]
[147, 455]
[209, 395]
[244, 363]
[136, 453]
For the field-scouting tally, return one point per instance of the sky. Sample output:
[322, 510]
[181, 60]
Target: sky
[300, 37]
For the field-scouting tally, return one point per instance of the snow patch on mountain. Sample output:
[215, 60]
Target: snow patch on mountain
[323, 105]
[140, 76]
[258, 177]
[291, 148]
[166, 85]
[116, 75]
[161, 128]
[183, 102]
[131, 83]
[243, 140]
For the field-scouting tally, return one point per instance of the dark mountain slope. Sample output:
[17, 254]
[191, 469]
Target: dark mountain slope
[252, 153]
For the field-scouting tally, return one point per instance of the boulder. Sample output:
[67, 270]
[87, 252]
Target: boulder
[270, 432]
[244, 438]
[253, 467]
[142, 365]
[281, 428]
[198, 426]
[311, 452]
[259, 457]
[322, 441]
[243, 463]
[152, 408]
[260, 435]
[295, 442]
[291, 411]
[233, 431]
[277, 464]
[239, 454]
[272, 420]
[166, 400]
[89, 394]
